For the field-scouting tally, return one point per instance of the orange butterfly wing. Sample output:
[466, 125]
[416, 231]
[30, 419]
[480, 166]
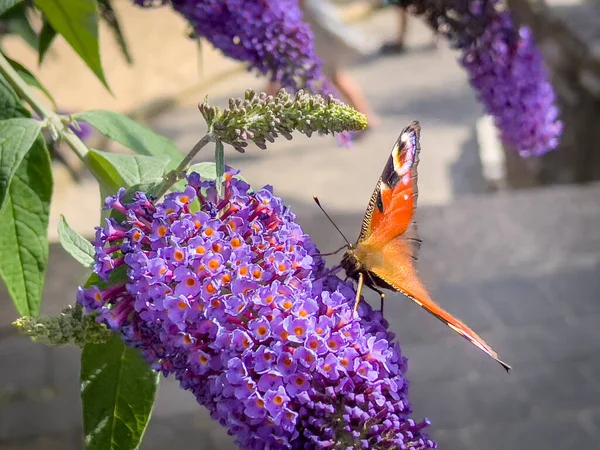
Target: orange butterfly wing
[387, 243]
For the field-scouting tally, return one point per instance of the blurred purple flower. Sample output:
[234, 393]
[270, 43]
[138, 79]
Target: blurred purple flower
[270, 343]
[504, 66]
[268, 35]
[82, 130]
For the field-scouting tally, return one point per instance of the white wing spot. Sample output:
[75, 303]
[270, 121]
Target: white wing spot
[395, 158]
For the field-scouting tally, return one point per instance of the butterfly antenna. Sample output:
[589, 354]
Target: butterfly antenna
[316, 199]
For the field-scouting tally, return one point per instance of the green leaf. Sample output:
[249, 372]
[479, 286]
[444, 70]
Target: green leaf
[10, 105]
[109, 15]
[76, 245]
[16, 138]
[116, 170]
[132, 135]
[118, 388]
[45, 40]
[206, 170]
[105, 191]
[30, 79]
[150, 188]
[116, 276]
[219, 165]
[17, 22]
[24, 230]
[5, 5]
[77, 22]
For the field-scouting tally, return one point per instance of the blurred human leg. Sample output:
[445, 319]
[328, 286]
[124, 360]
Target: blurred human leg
[397, 46]
[353, 94]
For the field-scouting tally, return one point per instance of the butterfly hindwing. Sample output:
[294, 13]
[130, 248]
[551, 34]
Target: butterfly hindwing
[394, 266]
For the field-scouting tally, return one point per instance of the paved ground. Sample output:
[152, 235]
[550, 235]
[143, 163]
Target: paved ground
[523, 269]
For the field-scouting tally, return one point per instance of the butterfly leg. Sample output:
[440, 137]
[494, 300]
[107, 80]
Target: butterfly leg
[382, 296]
[359, 288]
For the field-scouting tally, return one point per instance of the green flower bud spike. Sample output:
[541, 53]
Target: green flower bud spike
[261, 118]
[72, 326]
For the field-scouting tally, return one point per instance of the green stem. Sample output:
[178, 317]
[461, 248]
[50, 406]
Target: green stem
[54, 120]
[209, 137]
[175, 175]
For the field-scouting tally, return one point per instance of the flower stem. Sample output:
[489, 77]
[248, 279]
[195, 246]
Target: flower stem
[175, 175]
[209, 137]
[53, 120]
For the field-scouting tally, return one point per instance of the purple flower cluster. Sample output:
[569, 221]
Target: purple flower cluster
[230, 295]
[269, 35]
[508, 73]
[504, 66]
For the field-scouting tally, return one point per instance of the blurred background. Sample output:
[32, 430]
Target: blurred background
[510, 246]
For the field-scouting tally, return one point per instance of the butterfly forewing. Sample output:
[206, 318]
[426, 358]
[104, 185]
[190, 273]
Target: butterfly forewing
[390, 212]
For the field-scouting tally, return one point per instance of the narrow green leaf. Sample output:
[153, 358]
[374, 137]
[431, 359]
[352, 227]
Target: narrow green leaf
[76, 245]
[5, 5]
[24, 230]
[16, 138]
[132, 135]
[17, 21]
[109, 15]
[30, 79]
[77, 22]
[116, 170]
[10, 105]
[45, 40]
[219, 165]
[118, 388]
